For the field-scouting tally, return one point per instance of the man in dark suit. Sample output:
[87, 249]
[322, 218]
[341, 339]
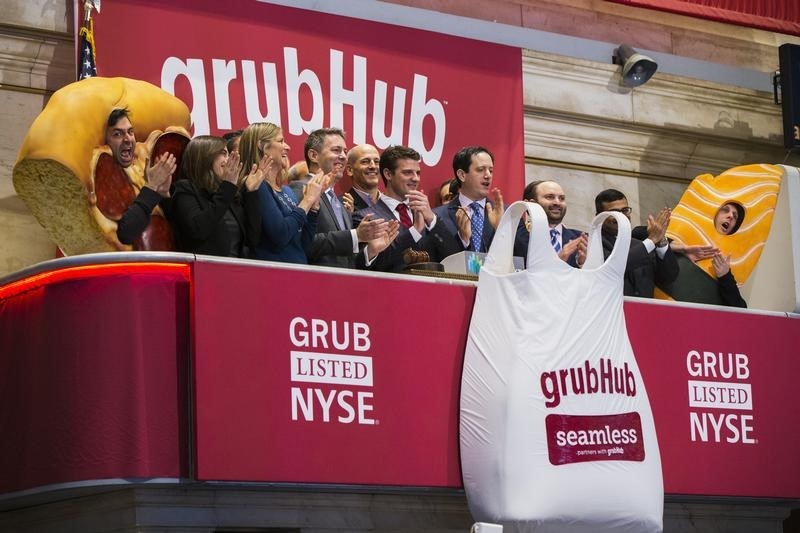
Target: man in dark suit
[469, 220]
[404, 201]
[570, 244]
[336, 242]
[363, 168]
[651, 263]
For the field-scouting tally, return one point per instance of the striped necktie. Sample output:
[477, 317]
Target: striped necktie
[554, 240]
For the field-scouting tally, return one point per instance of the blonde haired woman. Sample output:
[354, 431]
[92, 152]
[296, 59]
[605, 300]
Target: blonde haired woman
[208, 211]
[287, 226]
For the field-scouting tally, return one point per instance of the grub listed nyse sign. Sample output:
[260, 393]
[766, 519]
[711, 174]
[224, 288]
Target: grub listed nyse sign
[329, 386]
[720, 397]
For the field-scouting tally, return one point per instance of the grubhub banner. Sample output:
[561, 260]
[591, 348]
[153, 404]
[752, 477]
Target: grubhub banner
[235, 63]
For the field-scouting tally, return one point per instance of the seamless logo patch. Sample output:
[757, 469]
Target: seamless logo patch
[581, 438]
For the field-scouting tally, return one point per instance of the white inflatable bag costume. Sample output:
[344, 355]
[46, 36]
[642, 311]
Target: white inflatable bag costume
[556, 429]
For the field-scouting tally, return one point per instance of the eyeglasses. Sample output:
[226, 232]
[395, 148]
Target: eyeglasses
[623, 210]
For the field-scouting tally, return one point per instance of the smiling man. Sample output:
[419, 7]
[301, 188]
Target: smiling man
[469, 220]
[158, 177]
[403, 201]
[336, 242]
[569, 244]
[363, 168]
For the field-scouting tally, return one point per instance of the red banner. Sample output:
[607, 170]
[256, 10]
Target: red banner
[331, 378]
[327, 378]
[719, 384]
[239, 62]
[323, 376]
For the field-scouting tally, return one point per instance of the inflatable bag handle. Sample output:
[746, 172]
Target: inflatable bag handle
[619, 254]
[499, 259]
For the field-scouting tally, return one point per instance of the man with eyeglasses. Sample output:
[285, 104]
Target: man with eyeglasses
[651, 263]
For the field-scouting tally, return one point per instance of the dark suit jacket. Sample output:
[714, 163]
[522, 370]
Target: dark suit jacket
[695, 285]
[358, 203]
[199, 219]
[523, 237]
[644, 271]
[443, 241]
[332, 246]
[136, 217]
[391, 259]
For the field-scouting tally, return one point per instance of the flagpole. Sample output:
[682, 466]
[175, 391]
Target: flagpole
[87, 65]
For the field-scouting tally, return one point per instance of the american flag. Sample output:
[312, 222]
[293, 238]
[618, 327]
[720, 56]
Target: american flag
[86, 64]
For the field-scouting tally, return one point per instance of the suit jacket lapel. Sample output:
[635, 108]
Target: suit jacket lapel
[325, 201]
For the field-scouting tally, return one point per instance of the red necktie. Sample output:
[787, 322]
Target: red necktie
[405, 218]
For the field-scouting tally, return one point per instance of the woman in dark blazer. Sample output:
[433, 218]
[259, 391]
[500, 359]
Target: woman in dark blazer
[287, 226]
[209, 202]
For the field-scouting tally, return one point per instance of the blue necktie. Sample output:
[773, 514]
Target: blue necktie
[477, 226]
[554, 240]
[337, 209]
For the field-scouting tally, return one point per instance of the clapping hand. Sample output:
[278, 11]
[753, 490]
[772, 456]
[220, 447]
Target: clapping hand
[258, 173]
[721, 263]
[347, 202]
[464, 224]
[578, 246]
[232, 168]
[495, 209]
[371, 228]
[657, 225]
[313, 190]
[159, 175]
[421, 208]
[383, 241]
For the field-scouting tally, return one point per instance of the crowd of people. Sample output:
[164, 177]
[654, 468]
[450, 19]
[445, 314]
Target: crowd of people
[238, 196]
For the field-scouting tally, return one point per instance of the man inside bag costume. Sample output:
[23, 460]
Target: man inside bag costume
[569, 244]
[650, 263]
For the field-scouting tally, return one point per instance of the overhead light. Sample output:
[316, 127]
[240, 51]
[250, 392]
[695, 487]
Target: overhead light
[636, 68]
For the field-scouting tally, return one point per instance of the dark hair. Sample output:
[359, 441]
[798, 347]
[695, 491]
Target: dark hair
[230, 138]
[606, 197]
[231, 135]
[462, 160]
[198, 160]
[740, 208]
[316, 140]
[530, 190]
[392, 155]
[116, 114]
